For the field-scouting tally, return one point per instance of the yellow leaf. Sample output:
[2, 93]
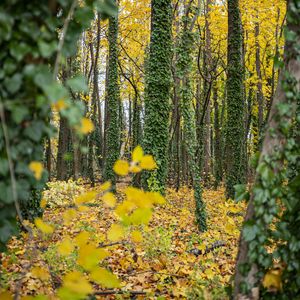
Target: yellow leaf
[141, 216]
[86, 197]
[229, 228]
[121, 167]
[65, 247]
[136, 236]
[59, 105]
[89, 256]
[209, 274]
[105, 278]
[148, 163]
[156, 197]
[105, 186]
[109, 199]
[44, 227]
[43, 203]
[77, 283]
[82, 238]
[40, 273]
[69, 215]
[272, 280]
[134, 168]
[86, 126]
[36, 168]
[115, 233]
[124, 208]
[137, 154]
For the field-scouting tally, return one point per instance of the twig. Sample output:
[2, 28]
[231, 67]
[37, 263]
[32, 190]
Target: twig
[63, 35]
[114, 292]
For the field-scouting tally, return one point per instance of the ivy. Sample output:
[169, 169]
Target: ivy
[275, 220]
[157, 91]
[29, 43]
[113, 102]
[235, 102]
[189, 125]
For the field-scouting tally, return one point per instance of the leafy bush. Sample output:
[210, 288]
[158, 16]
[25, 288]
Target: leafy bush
[62, 193]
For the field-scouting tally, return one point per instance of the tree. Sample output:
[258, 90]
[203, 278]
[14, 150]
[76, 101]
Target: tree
[113, 102]
[274, 197]
[157, 94]
[235, 102]
[186, 104]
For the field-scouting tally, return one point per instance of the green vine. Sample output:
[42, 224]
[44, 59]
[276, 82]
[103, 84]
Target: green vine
[157, 92]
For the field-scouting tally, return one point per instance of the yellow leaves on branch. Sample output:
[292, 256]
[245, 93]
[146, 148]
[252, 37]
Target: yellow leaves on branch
[66, 247]
[121, 167]
[138, 163]
[105, 278]
[148, 163]
[85, 198]
[89, 256]
[137, 154]
[86, 126]
[75, 283]
[44, 227]
[36, 168]
[115, 233]
[59, 105]
[109, 199]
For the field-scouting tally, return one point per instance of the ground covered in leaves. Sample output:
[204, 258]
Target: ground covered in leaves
[172, 261]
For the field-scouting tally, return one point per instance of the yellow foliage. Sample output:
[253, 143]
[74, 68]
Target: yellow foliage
[66, 247]
[82, 238]
[137, 154]
[109, 199]
[148, 163]
[44, 227]
[272, 280]
[105, 186]
[136, 236]
[89, 256]
[36, 168]
[85, 198]
[121, 167]
[115, 233]
[40, 273]
[75, 282]
[105, 278]
[86, 126]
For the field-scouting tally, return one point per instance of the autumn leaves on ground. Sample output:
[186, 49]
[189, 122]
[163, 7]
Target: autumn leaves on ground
[167, 259]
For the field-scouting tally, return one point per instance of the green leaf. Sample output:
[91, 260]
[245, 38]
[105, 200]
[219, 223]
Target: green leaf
[47, 48]
[55, 91]
[77, 84]
[249, 232]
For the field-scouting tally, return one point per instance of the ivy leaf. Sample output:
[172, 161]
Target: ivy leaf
[77, 84]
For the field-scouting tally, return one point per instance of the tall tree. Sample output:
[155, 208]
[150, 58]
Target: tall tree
[274, 189]
[158, 82]
[235, 102]
[113, 99]
[186, 104]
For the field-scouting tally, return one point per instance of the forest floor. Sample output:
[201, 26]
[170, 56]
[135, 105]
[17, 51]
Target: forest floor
[174, 260]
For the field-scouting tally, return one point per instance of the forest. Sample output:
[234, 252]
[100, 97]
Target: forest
[149, 149]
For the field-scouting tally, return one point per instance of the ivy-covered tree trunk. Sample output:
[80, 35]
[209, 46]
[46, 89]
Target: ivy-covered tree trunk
[235, 101]
[217, 139]
[113, 102]
[272, 200]
[157, 94]
[189, 122]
